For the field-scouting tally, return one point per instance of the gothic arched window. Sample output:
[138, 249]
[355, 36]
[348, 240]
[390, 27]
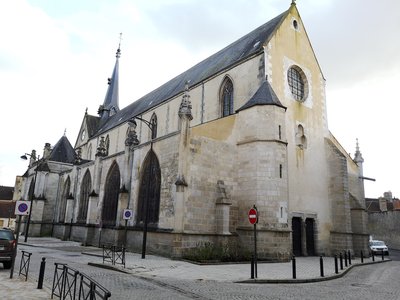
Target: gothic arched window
[226, 97]
[63, 200]
[31, 192]
[86, 187]
[111, 194]
[301, 139]
[153, 122]
[149, 192]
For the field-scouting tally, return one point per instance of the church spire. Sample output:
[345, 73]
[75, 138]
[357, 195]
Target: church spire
[357, 156]
[111, 101]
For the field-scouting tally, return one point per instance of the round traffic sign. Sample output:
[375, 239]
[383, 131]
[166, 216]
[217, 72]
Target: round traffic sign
[253, 218]
[22, 207]
[128, 213]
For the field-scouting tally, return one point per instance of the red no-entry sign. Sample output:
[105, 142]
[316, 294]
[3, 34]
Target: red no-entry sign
[252, 216]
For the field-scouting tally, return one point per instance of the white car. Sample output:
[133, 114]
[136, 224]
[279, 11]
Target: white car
[378, 246]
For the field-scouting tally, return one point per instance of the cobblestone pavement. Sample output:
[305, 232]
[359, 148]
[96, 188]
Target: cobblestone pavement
[161, 278]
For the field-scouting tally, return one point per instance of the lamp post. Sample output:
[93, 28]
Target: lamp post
[146, 208]
[31, 193]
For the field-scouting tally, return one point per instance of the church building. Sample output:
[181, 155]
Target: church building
[183, 165]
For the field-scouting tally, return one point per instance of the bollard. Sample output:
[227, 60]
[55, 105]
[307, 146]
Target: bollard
[294, 267]
[321, 266]
[252, 267]
[345, 258]
[41, 273]
[336, 265]
[362, 257]
[341, 261]
[373, 256]
[349, 258]
[383, 255]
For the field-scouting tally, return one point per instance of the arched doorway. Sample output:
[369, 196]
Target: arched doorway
[149, 192]
[111, 194]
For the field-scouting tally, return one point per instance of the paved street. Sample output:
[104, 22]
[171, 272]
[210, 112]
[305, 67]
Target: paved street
[159, 280]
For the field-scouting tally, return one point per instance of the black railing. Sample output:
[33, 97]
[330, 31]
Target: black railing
[90, 289]
[65, 282]
[24, 265]
[114, 254]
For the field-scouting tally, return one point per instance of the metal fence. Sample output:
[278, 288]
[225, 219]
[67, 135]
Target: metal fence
[24, 265]
[71, 284]
[114, 254]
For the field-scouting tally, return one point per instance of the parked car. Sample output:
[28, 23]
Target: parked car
[7, 246]
[376, 247]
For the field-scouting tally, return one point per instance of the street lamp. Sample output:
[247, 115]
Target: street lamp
[31, 192]
[151, 126]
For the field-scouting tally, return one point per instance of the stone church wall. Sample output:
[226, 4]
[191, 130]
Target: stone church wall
[341, 238]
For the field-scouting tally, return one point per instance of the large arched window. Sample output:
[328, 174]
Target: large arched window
[149, 192]
[226, 97]
[63, 200]
[86, 187]
[31, 192]
[111, 193]
[153, 122]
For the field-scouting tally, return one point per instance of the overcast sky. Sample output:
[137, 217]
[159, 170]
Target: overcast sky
[56, 56]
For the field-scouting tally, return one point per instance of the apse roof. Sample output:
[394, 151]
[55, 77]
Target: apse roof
[265, 95]
[245, 47]
[63, 151]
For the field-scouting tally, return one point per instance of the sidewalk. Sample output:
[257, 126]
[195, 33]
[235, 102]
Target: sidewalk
[153, 267]
[18, 288]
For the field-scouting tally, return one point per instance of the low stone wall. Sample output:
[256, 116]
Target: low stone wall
[385, 226]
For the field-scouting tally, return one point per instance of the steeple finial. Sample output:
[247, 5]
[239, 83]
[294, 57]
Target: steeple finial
[65, 131]
[293, 2]
[118, 54]
[357, 156]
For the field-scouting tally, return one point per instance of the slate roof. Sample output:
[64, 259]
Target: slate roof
[111, 100]
[92, 123]
[63, 151]
[6, 192]
[245, 47]
[265, 95]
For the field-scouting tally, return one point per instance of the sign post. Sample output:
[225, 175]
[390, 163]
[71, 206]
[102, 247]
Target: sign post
[128, 214]
[253, 219]
[22, 208]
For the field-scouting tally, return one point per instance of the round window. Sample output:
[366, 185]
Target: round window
[298, 83]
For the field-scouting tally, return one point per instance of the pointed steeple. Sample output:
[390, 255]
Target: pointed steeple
[111, 101]
[357, 156]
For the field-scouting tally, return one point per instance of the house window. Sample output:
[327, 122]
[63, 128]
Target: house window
[298, 83]
[227, 97]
